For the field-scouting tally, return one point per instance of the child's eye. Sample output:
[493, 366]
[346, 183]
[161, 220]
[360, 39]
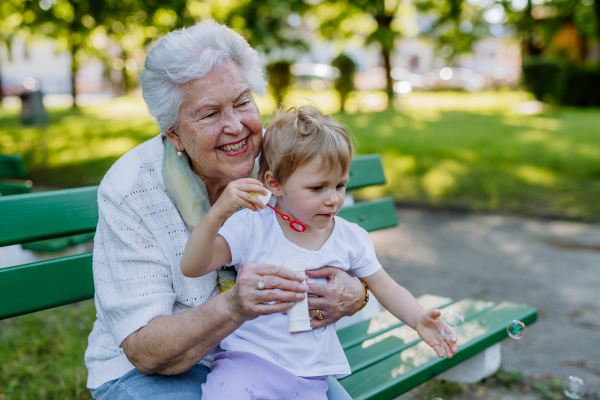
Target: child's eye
[316, 188]
[341, 186]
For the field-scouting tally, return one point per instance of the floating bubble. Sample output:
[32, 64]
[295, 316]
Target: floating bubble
[516, 330]
[451, 319]
[438, 398]
[574, 387]
[483, 322]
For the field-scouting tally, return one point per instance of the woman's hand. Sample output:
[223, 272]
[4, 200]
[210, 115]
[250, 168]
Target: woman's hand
[247, 301]
[341, 296]
[236, 195]
[428, 330]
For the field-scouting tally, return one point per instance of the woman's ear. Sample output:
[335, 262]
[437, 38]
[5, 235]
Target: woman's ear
[272, 184]
[175, 139]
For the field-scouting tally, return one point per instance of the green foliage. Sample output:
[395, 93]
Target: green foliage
[280, 79]
[542, 77]
[344, 83]
[581, 87]
[562, 83]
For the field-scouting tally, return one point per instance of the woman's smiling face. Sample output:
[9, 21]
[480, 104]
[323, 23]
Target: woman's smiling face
[219, 126]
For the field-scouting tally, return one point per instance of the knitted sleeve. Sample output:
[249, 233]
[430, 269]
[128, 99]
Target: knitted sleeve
[132, 277]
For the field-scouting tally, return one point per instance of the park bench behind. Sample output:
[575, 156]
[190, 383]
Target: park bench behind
[387, 358]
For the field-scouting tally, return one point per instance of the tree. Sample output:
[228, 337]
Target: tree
[344, 83]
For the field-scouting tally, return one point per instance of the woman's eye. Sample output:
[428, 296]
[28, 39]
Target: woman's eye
[245, 103]
[210, 115]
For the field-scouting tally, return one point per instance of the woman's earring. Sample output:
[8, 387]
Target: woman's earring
[179, 153]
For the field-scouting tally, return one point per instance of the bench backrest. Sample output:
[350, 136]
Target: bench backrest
[39, 216]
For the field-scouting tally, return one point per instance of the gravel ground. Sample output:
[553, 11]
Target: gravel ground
[552, 265]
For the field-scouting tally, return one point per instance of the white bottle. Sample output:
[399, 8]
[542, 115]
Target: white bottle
[298, 318]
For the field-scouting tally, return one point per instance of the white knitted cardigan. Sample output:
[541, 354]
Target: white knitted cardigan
[137, 250]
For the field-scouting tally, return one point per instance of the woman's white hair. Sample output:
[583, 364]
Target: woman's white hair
[190, 53]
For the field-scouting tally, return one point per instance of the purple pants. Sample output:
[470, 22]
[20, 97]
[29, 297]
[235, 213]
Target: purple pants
[238, 375]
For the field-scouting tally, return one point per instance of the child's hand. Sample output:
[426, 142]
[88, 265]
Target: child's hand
[237, 194]
[427, 328]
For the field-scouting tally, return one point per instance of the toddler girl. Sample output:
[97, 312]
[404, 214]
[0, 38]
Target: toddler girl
[305, 163]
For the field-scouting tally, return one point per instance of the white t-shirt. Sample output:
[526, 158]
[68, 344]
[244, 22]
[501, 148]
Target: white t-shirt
[257, 237]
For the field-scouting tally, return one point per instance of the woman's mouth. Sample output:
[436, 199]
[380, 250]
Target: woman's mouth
[234, 149]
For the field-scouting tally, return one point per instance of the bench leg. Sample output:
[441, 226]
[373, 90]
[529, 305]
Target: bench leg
[475, 368]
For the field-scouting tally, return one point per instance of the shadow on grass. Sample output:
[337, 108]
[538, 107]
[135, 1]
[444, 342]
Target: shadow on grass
[535, 165]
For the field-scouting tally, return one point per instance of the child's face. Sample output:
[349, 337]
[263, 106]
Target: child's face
[313, 195]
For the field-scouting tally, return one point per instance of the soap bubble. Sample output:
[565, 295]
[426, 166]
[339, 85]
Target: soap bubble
[573, 387]
[516, 330]
[438, 398]
[483, 322]
[452, 319]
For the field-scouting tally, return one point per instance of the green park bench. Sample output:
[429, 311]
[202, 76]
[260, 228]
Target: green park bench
[12, 170]
[387, 358]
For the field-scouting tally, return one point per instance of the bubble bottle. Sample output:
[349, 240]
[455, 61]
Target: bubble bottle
[298, 318]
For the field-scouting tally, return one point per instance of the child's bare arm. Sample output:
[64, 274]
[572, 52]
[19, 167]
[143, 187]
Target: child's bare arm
[205, 251]
[405, 307]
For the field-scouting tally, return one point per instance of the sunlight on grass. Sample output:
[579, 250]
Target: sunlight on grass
[536, 175]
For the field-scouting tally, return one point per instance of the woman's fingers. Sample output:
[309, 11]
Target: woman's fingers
[266, 269]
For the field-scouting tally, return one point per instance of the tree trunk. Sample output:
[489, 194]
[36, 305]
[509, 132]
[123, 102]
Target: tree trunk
[74, 67]
[597, 12]
[389, 86]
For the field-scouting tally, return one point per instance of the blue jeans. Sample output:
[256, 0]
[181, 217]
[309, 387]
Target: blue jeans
[136, 386]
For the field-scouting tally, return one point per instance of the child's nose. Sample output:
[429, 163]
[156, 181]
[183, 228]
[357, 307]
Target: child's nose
[332, 198]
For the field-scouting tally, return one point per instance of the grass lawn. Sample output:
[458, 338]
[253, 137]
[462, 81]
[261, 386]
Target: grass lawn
[442, 149]
[445, 149]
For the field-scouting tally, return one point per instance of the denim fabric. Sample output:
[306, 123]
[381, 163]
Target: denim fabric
[186, 386]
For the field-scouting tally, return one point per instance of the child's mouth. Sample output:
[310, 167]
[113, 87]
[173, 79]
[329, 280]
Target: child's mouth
[234, 148]
[327, 215]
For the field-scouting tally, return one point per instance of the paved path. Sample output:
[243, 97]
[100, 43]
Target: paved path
[554, 266]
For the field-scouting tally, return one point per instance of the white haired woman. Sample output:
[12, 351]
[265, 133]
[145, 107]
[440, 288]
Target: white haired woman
[157, 331]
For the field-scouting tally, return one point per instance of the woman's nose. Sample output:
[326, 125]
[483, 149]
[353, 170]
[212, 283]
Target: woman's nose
[232, 123]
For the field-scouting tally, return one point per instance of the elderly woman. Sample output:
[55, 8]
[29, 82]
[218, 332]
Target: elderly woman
[157, 331]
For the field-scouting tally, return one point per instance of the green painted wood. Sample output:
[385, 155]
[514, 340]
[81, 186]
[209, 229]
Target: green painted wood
[47, 215]
[9, 188]
[366, 171]
[403, 371]
[384, 322]
[372, 215]
[390, 342]
[53, 245]
[45, 284]
[11, 166]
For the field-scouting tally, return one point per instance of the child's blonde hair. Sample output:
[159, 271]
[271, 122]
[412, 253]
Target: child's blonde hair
[299, 135]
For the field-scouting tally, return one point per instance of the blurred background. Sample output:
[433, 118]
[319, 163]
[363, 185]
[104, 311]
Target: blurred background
[475, 106]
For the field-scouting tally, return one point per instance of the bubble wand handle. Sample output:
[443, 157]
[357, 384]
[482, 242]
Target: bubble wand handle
[296, 225]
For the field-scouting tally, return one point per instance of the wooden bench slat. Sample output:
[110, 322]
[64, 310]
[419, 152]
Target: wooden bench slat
[39, 216]
[372, 215]
[45, 284]
[393, 341]
[11, 166]
[366, 171]
[384, 322]
[404, 371]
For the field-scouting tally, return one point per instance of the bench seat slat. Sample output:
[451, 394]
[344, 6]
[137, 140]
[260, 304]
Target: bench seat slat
[384, 322]
[415, 365]
[39, 216]
[372, 215]
[366, 171]
[45, 284]
[396, 340]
